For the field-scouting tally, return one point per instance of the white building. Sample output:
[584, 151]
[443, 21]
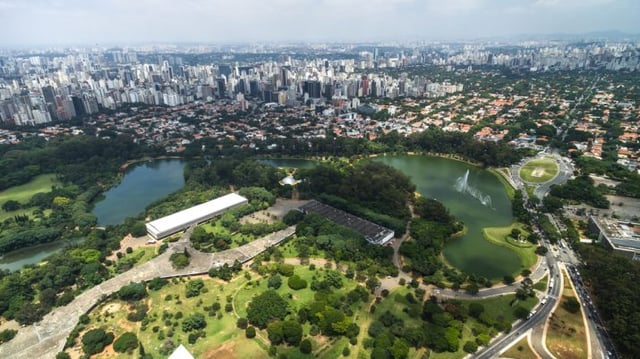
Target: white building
[178, 221]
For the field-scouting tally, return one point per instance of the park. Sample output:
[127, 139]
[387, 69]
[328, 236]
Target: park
[539, 170]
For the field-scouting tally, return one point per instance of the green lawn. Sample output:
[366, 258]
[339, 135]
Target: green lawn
[500, 173]
[502, 236]
[520, 350]
[541, 285]
[23, 193]
[566, 335]
[218, 331]
[539, 170]
[499, 307]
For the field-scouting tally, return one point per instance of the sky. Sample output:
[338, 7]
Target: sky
[103, 22]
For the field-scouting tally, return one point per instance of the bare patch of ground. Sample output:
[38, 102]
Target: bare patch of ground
[538, 172]
[225, 351]
[273, 213]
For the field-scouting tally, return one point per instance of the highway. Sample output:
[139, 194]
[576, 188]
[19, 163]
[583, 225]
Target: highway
[504, 341]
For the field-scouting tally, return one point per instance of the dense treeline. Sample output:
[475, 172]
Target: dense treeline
[630, 180]
[369, 189]
[429, 233]
[614, 283]
[83, 160]
[581, 189]
[431, 140]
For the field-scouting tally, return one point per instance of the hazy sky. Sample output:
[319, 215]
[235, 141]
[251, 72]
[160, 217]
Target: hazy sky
[43, 22]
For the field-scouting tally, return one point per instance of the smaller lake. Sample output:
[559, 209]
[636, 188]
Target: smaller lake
[17, 259]
[140, 186]
[289, 162]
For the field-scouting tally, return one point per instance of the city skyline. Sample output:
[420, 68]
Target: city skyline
[60, 22]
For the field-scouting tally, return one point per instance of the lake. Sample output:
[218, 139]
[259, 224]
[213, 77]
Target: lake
[477, 198]
[17, 259]
[140, 186]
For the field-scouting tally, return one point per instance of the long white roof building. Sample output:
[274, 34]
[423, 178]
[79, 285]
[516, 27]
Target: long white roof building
[178, 221]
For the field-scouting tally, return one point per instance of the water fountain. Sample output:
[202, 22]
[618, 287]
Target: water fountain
[462, 186]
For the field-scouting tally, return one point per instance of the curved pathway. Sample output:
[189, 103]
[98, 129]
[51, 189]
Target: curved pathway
[46, 338]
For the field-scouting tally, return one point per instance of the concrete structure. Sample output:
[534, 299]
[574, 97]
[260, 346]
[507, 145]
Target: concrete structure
[622, 237]
[181, 353]
[373, 233]
[178, 221]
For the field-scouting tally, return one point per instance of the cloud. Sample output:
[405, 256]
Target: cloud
[128, 21]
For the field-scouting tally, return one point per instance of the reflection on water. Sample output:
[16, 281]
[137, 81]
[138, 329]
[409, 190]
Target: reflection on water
[22, 257]
[142, 185]
[448, 181]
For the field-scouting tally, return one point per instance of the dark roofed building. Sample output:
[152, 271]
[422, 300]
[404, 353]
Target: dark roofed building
[373, 233]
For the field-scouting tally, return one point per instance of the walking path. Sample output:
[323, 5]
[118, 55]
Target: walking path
[46, 338]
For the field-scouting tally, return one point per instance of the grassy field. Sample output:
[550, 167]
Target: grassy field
[541, 285]
[502, 236]
[222, 338]
[520, 350]
[539, 170]
[23, 193]
[566, 336]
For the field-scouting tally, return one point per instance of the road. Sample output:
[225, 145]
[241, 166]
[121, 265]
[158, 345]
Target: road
[504, 341]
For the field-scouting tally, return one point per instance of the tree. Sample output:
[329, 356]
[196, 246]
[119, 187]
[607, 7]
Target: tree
[274, 332]
[515, 233]
[296, 283]
[472, 288]
[242, 323]
[194, 322]
[274, 281]
[475, 309]
[470, 347]
[265, 307]
[132, 292]
[521, 312]
[180, 260]
[571, 304]
[95, 340]
[11, 205]
[292, 331]
[126, 343]
[305, 346]
[7, 335]
[508, 279]
[250, 332]
[63, 355]
[194, 287]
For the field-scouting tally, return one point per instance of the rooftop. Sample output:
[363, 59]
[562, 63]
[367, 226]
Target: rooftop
[372, 232]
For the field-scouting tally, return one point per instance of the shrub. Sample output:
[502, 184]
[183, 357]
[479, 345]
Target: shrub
[132, 292]
[242, 323]
[305, 346]
[571, 305]
[94, 341]
[125, 343]
[296, 283]
[193, 322]
[470, 347]
[7, 335]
